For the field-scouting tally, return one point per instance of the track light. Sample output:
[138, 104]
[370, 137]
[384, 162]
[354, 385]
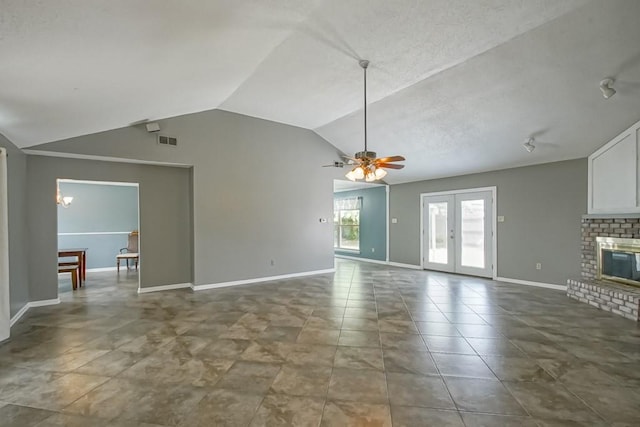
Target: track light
[607, 90]
[528, 145]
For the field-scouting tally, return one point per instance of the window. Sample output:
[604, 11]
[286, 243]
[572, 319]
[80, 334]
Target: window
[346, 223]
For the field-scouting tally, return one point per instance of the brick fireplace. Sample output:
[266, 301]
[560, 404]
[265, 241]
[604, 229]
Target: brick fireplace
[619, 298]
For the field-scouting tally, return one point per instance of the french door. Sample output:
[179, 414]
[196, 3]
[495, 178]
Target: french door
[457, 232]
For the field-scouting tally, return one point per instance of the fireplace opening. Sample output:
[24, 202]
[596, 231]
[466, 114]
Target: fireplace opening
[621, 264]
[619, 260]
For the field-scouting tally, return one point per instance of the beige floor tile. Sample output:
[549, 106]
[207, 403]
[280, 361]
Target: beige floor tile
[359, 358]
[223, 407]
[359, 338]
[302, 381]
[355, 414]
[283, 410]
[482, 395]
[362, 385]
[411, 416]
[21, 416]
[418, 390]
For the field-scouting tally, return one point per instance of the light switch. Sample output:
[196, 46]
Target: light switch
[394, 220]
[500, 218]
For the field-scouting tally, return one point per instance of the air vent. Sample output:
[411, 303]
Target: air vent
[167, 140]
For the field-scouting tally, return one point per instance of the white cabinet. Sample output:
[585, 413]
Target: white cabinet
[614, 172]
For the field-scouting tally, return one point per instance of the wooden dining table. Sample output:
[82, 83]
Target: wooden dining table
[81, 256]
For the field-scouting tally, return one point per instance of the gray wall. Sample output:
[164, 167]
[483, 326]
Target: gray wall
[373, 222]
[18, 255]
[259, 190]
[98, 208]
[165, 217]
[542, 206]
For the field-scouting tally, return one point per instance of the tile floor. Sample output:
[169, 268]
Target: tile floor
[366, 346]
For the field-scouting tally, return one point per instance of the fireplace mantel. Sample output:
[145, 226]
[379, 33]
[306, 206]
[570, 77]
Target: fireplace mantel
[612, 216]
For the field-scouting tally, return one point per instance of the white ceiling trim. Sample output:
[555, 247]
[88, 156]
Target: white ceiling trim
[103, 158]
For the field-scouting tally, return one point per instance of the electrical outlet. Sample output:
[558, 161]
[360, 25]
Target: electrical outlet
[538, 266]
[373, 249]
[273, 263]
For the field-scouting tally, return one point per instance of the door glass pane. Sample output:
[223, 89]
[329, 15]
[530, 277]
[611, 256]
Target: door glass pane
[472, 233]
[438, 239]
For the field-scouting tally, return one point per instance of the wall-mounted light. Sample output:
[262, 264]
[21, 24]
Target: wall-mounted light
[62, 200]
[605, 87]
[529, 145]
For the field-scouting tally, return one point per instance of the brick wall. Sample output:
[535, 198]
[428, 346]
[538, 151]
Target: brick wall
[603, 227]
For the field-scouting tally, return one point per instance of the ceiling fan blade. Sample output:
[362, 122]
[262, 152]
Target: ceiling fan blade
[389, 166]
[390, 159]
[334, 165]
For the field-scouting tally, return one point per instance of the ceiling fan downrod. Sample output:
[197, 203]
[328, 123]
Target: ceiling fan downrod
[365, 64]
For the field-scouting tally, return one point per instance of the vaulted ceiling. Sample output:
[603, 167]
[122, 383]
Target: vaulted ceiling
[455, 86]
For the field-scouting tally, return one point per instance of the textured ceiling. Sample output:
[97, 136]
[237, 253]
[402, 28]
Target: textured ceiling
[454, 86]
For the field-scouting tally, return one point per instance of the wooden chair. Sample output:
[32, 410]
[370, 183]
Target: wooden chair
[130, 252]
[74, 269]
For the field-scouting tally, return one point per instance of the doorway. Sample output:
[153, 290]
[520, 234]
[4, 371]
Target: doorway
[457, 231]
[98, 220]
[5, 306]
[360, 224]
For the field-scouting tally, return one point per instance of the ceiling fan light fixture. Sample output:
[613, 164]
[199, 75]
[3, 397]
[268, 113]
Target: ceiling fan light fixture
[355, 174]
[380, 173]
[606, 87]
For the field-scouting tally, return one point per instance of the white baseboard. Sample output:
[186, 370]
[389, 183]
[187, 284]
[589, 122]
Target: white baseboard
[261, 279]
[95, 270]
[19, 314]
[401, 265]
[375, 261]
[353, 258]
[32, 304]
[44, 302]
[146, 290]
[530, 283]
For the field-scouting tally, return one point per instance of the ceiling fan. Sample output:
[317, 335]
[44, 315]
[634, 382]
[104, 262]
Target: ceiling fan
[367, 165]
